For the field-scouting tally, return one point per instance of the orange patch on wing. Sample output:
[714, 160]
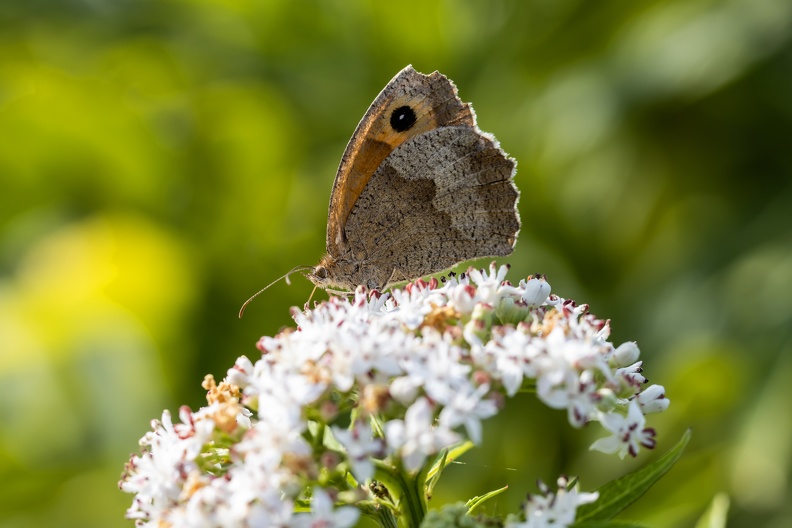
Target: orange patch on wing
[375, 144]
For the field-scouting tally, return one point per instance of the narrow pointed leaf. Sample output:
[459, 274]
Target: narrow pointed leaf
[451, 455]
[438, 468]
[617, 494]
[475, 502]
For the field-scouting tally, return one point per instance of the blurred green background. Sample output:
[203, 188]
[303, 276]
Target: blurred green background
[161, 160]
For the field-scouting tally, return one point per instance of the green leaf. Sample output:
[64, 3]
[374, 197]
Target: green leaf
[376, 427]
[475, 502]
[452, 454]
[715, 516]
[331, 442]
[617, 494]
[437, 468]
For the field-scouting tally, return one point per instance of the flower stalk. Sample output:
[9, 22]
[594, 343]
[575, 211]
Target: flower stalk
[406, 490]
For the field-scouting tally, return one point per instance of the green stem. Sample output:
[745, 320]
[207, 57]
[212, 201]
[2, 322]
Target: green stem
[406, 490]
[381, 515]
[415, 499]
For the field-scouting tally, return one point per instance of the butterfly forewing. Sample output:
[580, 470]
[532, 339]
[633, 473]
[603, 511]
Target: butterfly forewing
[411, 104]
[441, 198]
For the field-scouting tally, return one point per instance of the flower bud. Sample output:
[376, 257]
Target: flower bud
[537, 290]
[653, 399]
[512, 312]
[626, 354]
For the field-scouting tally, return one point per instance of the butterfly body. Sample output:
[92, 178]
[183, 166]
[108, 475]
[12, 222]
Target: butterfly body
[419, 189]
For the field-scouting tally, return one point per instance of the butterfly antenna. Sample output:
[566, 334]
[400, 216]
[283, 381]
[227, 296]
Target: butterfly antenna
[286, 277]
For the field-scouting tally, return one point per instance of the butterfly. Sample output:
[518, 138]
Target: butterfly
[419, 189]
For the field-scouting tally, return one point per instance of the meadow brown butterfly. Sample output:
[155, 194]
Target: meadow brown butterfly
[419, 189]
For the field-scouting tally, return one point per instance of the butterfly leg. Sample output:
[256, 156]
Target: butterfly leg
[389, 281]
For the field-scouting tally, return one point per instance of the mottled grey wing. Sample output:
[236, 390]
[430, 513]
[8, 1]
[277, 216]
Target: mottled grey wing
[441, 198]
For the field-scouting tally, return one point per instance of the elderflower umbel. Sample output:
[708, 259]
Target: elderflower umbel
[386, 378]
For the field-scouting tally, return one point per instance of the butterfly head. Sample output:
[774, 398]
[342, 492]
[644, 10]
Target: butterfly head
[322, 274]
[318, 276]
[344, 273]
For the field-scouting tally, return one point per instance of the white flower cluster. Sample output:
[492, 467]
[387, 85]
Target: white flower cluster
[419, 369]
[550, 509]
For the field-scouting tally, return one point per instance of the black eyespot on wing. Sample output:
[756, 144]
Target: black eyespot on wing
[402, 119]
